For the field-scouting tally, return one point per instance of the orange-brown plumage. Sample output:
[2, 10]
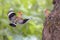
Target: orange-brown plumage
[47, 12]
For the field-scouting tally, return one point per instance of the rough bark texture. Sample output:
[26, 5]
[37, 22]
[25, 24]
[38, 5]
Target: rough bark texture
[51, 30]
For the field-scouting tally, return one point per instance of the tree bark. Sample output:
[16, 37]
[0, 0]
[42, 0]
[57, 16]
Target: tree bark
[51, 30]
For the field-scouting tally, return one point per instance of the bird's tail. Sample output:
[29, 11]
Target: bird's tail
[24, 21]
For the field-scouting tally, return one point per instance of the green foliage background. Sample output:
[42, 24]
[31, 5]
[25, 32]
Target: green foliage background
[32, 9]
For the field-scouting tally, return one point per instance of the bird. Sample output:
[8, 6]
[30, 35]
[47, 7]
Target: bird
[15, 19]
[46, 12]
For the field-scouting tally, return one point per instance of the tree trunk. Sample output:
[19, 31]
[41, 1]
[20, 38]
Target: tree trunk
[51, 30]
